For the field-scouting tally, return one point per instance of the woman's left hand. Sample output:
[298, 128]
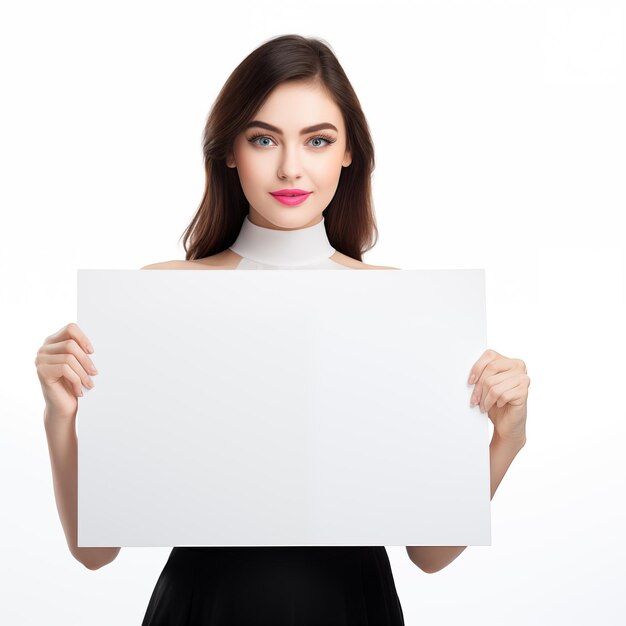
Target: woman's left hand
[501, 389]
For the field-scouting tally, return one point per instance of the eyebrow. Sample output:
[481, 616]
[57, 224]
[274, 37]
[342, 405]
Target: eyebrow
[304, 131]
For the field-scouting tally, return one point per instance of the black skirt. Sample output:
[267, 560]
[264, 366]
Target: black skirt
[327, 585]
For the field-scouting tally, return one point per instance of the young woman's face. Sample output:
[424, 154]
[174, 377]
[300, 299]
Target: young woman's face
[291, 155]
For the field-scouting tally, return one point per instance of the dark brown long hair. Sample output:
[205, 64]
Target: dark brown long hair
[349, 217]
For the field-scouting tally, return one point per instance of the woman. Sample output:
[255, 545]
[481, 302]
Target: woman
[288, 159]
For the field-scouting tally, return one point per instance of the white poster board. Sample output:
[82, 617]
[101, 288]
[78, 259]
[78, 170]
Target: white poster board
[270, 408]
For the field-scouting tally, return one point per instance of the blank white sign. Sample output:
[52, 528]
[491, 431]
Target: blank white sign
[282, 408]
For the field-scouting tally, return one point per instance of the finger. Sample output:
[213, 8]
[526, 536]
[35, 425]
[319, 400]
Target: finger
[499, 365]
[478, 367]
[72, 361]
[515, 396]
[504, 369]
[71, 331]
[502, 364]
[482, 387]
[502, 392]
[69, 346]
[62, 371]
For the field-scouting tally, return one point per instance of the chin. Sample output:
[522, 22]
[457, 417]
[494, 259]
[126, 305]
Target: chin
[291, 217]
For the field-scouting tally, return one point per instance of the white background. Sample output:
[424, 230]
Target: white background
[500, 136]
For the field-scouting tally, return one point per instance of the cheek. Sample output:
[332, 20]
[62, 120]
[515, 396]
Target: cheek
[252, 172]
[326, 171]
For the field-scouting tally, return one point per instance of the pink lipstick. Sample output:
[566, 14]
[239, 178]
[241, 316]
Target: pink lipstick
[291, 197]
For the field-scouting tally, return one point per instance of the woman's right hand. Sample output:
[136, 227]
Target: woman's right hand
[62, 366]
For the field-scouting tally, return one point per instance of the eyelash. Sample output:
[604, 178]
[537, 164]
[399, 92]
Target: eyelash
[327, 138]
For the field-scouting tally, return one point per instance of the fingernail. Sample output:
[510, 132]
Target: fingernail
[472, 379]
[89, 348]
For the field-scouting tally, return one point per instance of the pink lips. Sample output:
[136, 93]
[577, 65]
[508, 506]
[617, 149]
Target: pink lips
[291, 197]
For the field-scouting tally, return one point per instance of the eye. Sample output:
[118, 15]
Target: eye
[322, 137]
[325, 138]
[255, 137]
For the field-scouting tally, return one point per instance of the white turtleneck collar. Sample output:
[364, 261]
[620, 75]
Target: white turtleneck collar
[302, 246]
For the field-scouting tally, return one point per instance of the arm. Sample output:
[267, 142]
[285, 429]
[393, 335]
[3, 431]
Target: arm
[431, 559]
[63, 449]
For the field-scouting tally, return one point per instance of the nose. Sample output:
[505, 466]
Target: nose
[289, 166]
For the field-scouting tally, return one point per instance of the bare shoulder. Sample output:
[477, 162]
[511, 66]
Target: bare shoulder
[223, 261]
[166, 265]
[342, 259]
[382, 267]
[229, 260]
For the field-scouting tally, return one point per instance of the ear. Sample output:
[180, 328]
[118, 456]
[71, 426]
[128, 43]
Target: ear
[230, 160]
[347, 159]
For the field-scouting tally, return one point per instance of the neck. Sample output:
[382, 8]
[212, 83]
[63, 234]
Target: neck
[258, 220]
[283, 247]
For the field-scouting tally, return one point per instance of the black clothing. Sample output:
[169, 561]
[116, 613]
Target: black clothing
[295, 585]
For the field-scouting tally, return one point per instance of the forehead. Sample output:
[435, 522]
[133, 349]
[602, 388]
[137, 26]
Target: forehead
[294, 105]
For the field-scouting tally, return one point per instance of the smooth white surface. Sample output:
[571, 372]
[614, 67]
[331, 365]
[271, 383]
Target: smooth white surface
[282, 408]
